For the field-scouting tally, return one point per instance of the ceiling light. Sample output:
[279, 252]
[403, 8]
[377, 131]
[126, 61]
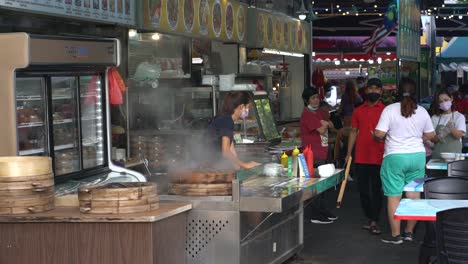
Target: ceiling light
[435, 8]
[443, 5]
[284, 53]
[379, 60]
[344, 14]
[337, 62]
[197, 60]
[437, 17]
[445, 18]
[460, 17]
[380, 14]
[302, 11]
[389, 53]
[371, 61]
[313, 53]
[347, 72]
[337, 6]
[375, 6]
[357, 14]
[339, 10]
[365, 10]
[155, 36]
[316, 13]
[326, 9]
[347, 12]
[132, 33]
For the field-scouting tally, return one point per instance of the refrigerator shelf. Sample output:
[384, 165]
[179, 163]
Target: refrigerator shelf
[61, 97]
[29, 98]
[62, 147]
[63, 121]
[31, 151]
[88, 143]
[32, 124]
[87, 118]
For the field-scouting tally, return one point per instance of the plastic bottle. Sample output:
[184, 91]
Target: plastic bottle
[284, 160]
[309, 156]
[295, 162]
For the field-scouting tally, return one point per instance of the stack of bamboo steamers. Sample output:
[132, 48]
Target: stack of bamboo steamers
[119, 198]
[26, 185]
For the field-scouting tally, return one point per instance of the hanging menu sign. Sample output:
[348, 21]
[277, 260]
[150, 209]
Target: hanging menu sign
[409, 26]
[215, 19]
[106, 11]
[277, 31]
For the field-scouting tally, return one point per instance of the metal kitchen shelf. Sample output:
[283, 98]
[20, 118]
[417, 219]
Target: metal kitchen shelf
[29, 98]
[31, 151]
[62, 147]
[32, 124]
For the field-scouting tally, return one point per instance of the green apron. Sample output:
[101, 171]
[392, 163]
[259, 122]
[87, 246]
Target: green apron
[447, 144]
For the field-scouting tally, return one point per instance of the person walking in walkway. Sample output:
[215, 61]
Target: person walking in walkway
[349, 101]
[402, 126]
[449, 125]
[369, 154]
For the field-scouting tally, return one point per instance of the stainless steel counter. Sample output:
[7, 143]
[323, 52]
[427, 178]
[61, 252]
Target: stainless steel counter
[262, 222]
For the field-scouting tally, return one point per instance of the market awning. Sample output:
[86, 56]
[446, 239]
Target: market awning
[352, 57]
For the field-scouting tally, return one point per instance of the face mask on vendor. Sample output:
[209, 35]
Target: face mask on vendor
[373, 97]
[245, 113]
[312, 108]
[360, 85]
[445, 106]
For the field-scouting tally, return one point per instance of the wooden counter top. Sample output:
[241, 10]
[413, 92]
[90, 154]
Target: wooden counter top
[72, 214]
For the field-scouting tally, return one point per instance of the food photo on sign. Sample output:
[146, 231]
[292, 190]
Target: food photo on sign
[188, 15]
[154, 12]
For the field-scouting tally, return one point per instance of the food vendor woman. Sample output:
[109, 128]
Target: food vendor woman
[221, 130]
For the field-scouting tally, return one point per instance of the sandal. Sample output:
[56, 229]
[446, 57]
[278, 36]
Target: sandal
[375, 230]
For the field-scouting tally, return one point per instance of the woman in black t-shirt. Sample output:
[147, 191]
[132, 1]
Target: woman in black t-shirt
[221, 130]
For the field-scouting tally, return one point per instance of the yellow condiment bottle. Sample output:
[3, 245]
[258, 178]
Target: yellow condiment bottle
[295, 162]
[284, 160]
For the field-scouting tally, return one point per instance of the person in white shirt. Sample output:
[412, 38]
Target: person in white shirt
[402, 125]
[449, 125]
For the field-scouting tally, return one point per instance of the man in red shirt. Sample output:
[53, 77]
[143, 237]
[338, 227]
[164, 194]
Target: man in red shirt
[368, 154]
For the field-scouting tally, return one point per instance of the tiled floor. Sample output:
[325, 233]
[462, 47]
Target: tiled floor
[345, 242]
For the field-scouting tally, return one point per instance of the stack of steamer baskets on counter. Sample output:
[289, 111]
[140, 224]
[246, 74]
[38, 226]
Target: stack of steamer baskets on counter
[119, 198]
[26, 185]
[201, 181]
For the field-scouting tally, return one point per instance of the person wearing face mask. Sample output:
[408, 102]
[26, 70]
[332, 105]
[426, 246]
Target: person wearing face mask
[315, 126]
[221, 130]
[449, 125]
[368, 154]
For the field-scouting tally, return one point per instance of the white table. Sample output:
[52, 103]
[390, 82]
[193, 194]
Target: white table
[436, 164]
[425, 209]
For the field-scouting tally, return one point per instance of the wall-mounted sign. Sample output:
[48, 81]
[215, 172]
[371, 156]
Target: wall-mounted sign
[409, 41]
[106, 11]
[277, 31]
[216, 19]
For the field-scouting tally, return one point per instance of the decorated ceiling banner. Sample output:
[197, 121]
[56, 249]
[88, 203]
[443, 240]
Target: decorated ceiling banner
[216, 19]
[277, 31]
[409, 31]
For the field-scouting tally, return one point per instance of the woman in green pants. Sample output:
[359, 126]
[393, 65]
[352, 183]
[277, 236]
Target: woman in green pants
[402, 125]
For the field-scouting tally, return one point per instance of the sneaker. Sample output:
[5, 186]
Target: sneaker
[321, 220]
[392, 239]
[329, 215]
[407, 236]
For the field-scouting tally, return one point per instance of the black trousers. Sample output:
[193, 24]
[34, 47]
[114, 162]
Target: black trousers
[370, 189]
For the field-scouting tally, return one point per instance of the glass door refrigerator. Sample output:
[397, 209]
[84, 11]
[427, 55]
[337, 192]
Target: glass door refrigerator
[56, 104]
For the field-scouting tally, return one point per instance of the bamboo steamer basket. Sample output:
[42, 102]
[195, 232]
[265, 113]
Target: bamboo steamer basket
[25, 166]
[26, 185]
[200, 189]
[118, 198]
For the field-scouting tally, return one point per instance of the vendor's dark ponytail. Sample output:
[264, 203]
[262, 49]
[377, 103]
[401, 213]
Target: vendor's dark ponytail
[407, 89]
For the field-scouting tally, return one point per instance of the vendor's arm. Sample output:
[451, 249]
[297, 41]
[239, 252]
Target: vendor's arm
[459, 127]
[351, 142]
[227, 148]
[310, 124]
